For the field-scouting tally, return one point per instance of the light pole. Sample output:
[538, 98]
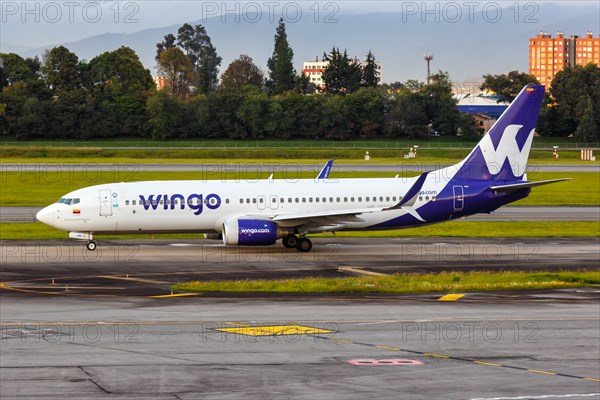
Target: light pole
[428, 57]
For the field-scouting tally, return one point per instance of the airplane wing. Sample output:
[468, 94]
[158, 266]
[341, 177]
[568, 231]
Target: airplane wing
[324, 174]
[339, 214]
[511, 187]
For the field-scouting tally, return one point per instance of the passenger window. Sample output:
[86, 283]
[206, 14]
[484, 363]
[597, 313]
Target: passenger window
[367, 199]
[381, 198]
[289, 199]
[331, 199]
[387, 198]
[420, 198]
[324, 199]
[427, 198]
[126, 202]
[241, 201]
[226, 201]
[352, 199]
[282, 200]
[297, 200]
[134, 202]
[394, 198]
[310, 199]
[337, 199]
[304, 199]
[345, 199]
[247, 201]
[261, 200]
[360, 199]
[316, 199]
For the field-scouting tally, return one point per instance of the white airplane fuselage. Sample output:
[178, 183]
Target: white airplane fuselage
[261, 212]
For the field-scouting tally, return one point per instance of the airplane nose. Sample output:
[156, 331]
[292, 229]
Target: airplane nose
[46, 215]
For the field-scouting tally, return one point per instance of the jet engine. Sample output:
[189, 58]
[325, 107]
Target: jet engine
[252, 232]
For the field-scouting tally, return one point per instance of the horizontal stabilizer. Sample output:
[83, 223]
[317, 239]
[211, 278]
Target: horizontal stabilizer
[411, 196]
[511, 187]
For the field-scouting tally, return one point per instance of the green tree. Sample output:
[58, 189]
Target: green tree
[370, 73]
[303, 85]
[61, 69]
[440, 105]
[121, 85]
[167, 43]
[406, 115]
[588, 130]
[177, 70]
[166, 115]
[197, 46]
[14, 68]
[120, 71]
[342, 75]
[241, 72]
[196, 43]
[507, 86]
[281, 67]
[570, 91]
[367, 112]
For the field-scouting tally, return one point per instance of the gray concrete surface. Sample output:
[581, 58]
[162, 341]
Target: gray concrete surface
[508, 213]
[58, 347]
[148, 267]
[96, 325]
[213, 169]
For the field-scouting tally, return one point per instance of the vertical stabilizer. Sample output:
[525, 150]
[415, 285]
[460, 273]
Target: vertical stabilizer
[502, 153]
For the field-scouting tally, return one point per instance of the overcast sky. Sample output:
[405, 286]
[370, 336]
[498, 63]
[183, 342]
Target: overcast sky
[468, 37]
[38, 23]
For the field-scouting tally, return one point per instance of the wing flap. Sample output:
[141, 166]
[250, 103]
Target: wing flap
[332, 215]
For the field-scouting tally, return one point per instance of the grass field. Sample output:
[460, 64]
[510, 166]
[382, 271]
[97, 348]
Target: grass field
[405, 283]
[24, 154]
[37, 230]
[431, 142]
[48, 184]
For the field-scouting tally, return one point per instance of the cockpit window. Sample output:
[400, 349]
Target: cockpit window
[66, 201]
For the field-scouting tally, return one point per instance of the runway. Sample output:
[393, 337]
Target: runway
[148, 268]
[104, 324]
[507, 213]
[212, 170]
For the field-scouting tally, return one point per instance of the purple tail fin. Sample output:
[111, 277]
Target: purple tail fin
[503, 152]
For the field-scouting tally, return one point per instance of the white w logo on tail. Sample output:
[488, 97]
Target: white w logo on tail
[508, 148]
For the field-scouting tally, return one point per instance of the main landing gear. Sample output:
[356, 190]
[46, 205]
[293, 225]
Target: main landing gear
[302, 244]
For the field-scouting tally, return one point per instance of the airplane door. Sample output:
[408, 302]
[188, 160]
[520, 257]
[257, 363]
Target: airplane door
[105, 202]
[261, 202]
[459, 197]
[274, 203]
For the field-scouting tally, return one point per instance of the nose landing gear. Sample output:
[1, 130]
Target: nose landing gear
[91, 245]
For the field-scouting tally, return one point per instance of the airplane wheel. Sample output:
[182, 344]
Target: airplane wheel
[290, 241]
[304, 245]
[91, 246]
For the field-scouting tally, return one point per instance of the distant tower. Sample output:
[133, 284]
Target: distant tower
[428, 57]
